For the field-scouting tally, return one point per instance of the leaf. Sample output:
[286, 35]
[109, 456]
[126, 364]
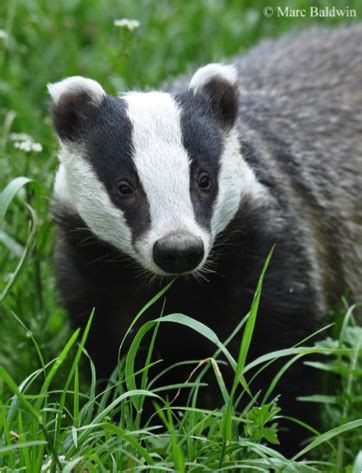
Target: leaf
[329, 435]
[16, 446]
[8, 194]
[6, 197]
[357, 466]
[321, 398]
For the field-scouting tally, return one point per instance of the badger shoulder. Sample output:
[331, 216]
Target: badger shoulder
[300, 121]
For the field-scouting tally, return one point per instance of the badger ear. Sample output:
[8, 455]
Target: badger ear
[74, 100]
[217, 83]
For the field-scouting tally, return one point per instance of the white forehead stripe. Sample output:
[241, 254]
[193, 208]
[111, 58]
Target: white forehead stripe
[163, 168]
[161, 160]
[154, 116]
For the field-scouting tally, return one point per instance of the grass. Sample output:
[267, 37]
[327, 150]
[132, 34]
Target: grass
[50, 417]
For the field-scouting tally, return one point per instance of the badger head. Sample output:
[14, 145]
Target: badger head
[156, 175]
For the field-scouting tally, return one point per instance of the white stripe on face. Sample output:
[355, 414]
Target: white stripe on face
[77, 185]
[163, 168]
[236, 180]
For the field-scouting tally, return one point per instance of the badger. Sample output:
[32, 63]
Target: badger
[199, 182]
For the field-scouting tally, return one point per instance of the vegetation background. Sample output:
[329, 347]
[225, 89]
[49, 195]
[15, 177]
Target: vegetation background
[43, 41]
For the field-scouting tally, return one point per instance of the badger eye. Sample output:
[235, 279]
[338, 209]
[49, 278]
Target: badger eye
[204, 181]
[124, 189]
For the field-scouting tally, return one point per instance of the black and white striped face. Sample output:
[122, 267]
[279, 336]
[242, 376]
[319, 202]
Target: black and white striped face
[155, 175]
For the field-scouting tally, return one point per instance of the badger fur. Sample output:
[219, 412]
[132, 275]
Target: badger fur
[201, 181]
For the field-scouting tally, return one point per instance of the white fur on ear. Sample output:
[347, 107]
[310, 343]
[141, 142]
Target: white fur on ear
[74, 85]
[213, 71]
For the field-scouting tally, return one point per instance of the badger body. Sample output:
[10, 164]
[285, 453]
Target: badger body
[201, 181]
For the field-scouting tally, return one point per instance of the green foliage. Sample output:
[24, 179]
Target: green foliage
[73, 429]
[258, 420]
[344, 384]
[49, 417]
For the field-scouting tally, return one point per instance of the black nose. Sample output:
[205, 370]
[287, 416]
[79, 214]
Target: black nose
[178, 252]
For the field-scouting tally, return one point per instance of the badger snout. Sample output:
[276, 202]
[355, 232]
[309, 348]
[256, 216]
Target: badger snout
[178, 252]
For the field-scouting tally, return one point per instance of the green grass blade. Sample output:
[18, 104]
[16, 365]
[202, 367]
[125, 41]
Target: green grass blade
[4, 376]
[357, 466]
[226, 425]
[58, 362]
[9, 193]
[19, 445]
[29, 245]
[329, 435]
[144, 309]
[250, 324]
[70, 377]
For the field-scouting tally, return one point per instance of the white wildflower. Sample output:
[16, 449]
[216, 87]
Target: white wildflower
[126, 23]
[28, 146]
[3, 34]
[25, 143]
[37, 147]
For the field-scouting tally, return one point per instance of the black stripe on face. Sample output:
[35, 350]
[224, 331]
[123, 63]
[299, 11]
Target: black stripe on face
[202, 139]
[108, 143]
